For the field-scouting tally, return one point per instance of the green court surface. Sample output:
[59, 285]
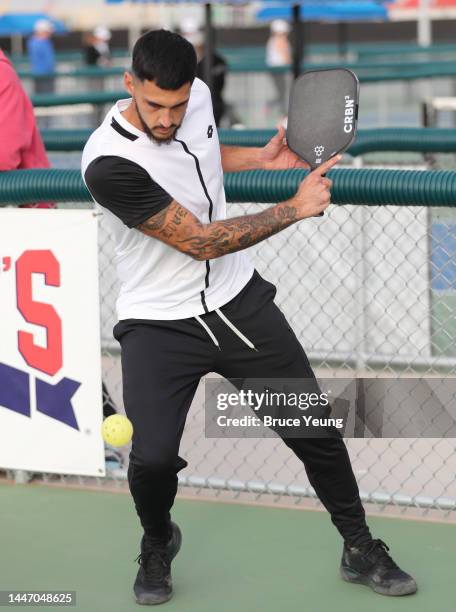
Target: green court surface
[234, 557]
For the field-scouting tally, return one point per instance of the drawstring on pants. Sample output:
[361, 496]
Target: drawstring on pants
[208, 329]
[231, 325]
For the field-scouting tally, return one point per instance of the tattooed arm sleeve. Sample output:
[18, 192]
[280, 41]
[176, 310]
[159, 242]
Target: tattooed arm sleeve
[127, 190]
[179, 228]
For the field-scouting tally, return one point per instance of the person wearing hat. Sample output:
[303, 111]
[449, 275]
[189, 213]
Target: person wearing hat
[191, 31]
[278, 54]
[42, 57]
[97, 52]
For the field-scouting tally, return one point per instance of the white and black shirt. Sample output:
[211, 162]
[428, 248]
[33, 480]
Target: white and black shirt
[132, 178]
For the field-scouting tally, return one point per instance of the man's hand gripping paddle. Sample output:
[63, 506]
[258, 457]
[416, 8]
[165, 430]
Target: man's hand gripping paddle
[322, 114]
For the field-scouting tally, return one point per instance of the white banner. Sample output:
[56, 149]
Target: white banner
[50, 365]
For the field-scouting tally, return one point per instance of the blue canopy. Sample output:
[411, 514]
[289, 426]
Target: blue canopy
[331, 10]
[23, 23]
[179, 1]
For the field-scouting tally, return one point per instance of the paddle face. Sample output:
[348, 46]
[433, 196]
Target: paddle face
[322, 114]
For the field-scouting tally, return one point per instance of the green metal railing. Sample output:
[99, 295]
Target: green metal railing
[364, 186]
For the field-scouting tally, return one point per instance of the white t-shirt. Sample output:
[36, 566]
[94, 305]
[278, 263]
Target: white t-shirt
[131, 178]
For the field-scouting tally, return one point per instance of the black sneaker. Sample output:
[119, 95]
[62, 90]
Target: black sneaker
[153, 583]
[371, 565]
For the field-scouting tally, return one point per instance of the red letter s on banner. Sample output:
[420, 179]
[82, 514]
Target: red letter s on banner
[46, 359]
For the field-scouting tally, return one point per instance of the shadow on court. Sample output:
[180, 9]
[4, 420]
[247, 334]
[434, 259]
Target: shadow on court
[234, 557]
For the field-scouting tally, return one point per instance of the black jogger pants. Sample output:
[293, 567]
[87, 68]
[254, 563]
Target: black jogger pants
[162, 364]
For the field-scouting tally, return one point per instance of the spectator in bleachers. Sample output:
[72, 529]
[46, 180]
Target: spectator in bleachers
[191, 31]
[42, 57]
[278, 53]
[97, 52]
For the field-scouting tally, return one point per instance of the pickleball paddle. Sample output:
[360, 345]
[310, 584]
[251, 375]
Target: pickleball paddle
[322, 114]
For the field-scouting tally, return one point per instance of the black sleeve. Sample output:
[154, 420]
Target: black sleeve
[125, 188]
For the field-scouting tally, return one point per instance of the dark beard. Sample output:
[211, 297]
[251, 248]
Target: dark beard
[149, 133]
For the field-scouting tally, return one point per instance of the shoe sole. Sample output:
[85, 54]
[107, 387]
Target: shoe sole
[150, 600]
[174, 546]
[351, 575]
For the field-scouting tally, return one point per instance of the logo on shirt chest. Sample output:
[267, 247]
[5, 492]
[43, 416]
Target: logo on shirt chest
[210, 131]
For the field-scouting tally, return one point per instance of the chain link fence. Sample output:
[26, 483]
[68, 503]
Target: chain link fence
[370, 292]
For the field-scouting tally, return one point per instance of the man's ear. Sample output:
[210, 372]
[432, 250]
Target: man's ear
[129, 83]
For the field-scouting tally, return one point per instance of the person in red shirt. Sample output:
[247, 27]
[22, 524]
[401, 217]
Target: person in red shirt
[21, 146]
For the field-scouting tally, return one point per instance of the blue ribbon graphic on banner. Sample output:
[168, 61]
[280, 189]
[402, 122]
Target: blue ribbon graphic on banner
[52, 400]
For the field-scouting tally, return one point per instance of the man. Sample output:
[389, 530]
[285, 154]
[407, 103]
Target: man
[191, 302]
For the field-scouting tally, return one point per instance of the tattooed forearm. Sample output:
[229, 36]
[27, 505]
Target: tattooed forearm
[180, 229]
[230, 235]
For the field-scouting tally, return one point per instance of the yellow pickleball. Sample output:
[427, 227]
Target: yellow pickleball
[117, 430]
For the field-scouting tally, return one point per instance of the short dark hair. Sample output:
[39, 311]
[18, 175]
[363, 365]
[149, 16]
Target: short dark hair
[165, 58]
